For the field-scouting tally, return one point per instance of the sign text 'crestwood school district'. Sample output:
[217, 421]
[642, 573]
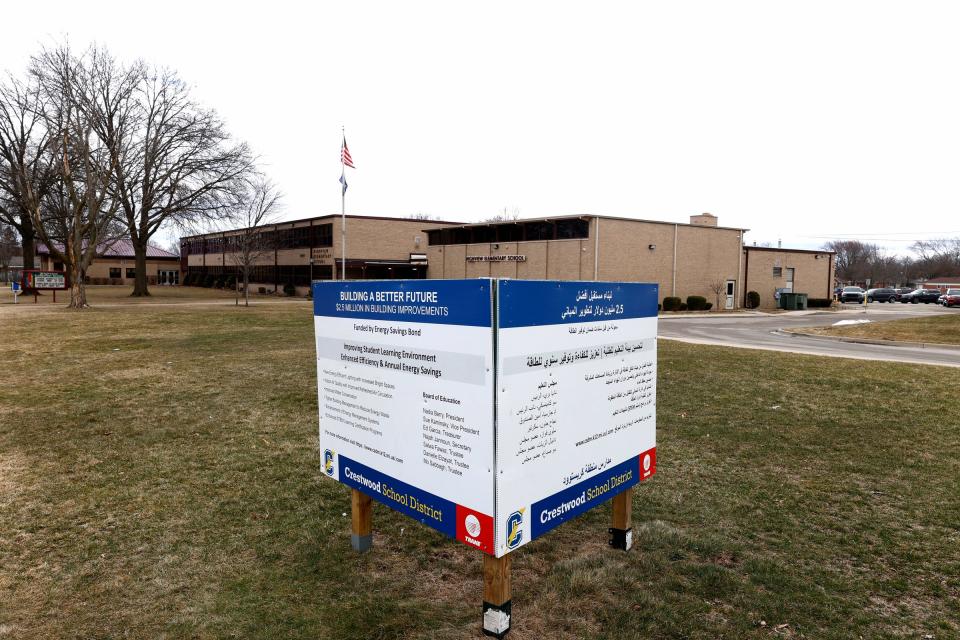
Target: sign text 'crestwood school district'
[406, 373]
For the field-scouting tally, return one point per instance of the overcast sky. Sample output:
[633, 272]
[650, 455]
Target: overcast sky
[800, 121]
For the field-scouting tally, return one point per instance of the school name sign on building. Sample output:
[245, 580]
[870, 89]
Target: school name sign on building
[490, 410]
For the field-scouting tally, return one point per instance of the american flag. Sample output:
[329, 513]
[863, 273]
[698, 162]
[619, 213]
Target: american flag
[345, 155]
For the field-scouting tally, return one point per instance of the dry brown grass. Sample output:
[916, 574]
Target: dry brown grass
[159, 478]
[939, 329]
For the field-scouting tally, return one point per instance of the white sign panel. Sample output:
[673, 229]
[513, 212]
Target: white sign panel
[405, 381]
[45, 280]
[576, 389]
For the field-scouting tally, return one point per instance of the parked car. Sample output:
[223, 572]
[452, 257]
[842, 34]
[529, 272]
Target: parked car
[851, 294]
[950, 298]
[925, 296]
[881, 295]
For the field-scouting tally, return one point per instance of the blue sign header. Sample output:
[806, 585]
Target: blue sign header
[460, 302]
[529, 303]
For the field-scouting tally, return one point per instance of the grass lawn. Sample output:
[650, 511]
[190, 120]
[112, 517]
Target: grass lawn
[943, 329]
[112, 295]
[159, 478]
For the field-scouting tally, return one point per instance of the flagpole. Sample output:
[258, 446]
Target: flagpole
[343, 210]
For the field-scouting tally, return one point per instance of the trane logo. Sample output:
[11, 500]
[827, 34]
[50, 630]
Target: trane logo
[472, 524]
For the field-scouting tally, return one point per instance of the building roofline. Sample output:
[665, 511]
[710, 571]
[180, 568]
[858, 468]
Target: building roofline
[823, 251]
[574, 216]
[334, 216]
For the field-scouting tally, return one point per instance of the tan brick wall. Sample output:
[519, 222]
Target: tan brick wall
[545, 260]
[382, 239]
[100, 268]
[812, 275]
[704, 254]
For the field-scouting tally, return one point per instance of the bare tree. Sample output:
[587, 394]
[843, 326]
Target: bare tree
[936, 257]
[173, 161]
[9, 248]
[26, 171]
[718, 286]
[255, 207]
[505, 216]
[855, 259]
[76, 218]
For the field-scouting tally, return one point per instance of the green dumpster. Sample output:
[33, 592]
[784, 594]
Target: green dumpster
[793, 301]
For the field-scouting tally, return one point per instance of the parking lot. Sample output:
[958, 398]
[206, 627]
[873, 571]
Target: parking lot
[765, 331]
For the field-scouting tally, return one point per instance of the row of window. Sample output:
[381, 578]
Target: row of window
[167, 276]
[320, 235]
[567, 229]
[269, 274]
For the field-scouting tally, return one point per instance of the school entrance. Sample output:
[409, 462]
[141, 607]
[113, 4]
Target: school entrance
[168, 277]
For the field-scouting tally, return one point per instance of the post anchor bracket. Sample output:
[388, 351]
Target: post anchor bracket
[621, 538]
[496, 619]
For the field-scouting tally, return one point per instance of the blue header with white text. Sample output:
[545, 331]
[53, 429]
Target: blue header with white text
[459, 302]
[529, 303]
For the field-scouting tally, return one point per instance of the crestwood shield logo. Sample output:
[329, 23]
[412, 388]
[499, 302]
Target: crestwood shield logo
[328, 462]
[514, 529]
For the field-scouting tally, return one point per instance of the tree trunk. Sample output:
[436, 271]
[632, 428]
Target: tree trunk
[246, 286]
[28, 241]
[78, 290]
[140, 277]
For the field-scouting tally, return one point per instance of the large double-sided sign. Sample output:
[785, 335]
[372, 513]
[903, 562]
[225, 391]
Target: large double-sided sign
[490, 410]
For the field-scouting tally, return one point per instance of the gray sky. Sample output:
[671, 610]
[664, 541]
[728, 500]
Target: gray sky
[800, 121]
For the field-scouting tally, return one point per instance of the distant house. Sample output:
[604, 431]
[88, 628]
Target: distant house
[115, 264]
[942, 283]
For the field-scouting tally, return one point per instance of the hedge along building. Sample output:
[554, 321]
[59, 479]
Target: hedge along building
[767, 270]
[683, 259]
[115, 263]
[299, 251]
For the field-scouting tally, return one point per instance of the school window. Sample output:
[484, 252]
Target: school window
[131, 273]
[777, 272]
[114, 272]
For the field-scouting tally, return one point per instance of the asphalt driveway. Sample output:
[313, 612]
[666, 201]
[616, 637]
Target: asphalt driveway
[764, 331]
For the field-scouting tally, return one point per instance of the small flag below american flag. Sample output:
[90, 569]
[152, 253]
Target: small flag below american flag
[343, 181]
[345, 156]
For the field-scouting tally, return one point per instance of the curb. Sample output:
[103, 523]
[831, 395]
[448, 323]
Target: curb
[875, 341]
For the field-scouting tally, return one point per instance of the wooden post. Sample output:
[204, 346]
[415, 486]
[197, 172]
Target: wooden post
[621, 533]
[496, 596]
[361, 507]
